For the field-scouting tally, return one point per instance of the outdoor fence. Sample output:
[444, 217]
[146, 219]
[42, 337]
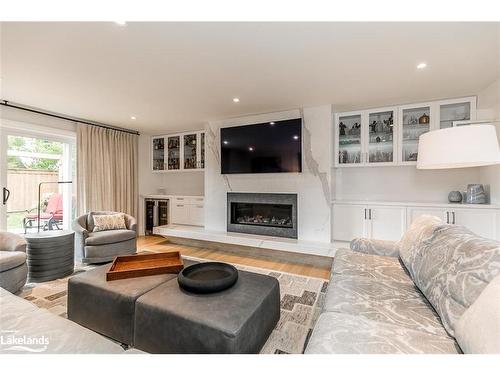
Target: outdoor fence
[23, 186]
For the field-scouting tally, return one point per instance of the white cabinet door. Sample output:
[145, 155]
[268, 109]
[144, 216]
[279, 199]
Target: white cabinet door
[196, 215]
[348, 222]
[481, 222]
[414, 212]
[179, 213]
[386, 222]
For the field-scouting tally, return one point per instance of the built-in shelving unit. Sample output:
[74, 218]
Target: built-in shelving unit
[389, 136]
[178, 152]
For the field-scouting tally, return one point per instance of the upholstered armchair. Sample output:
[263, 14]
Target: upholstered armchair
[13, 268]
[103, 246]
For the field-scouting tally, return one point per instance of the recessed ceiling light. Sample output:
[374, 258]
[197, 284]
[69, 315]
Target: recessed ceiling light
[133, 117]
[250, 149]
[422, 65]
[271, 123]
[236, 100]
[295, 137]
[121, 23]
[225, 142]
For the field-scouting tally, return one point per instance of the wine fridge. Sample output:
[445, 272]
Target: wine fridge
[156, 214]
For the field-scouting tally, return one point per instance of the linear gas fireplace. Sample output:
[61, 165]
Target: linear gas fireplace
[262, 213]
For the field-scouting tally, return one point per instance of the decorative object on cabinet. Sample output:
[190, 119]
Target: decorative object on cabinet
[459, 147]
[476, 194]
[455, 196]
[424, 119]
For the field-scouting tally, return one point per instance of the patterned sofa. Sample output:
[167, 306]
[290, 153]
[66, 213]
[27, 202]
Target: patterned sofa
[417, 295]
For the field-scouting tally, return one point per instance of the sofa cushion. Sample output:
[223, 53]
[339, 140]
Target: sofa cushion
[452, 268]
[348, 262]
[11, 259]
[478, 329]
[384, 301]
[109, 237]
[412, 245]
[339, 333]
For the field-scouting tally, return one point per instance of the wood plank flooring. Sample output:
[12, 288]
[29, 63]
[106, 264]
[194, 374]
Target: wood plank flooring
[160, 244]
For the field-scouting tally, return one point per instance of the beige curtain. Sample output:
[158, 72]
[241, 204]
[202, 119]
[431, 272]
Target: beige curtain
[106, 170]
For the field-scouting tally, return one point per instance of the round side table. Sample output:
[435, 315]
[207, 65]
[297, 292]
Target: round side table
[51, 255]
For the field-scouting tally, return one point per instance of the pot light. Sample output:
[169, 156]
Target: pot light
[295, 137]
[422, 65]
[272, 123]
[225, 142]
[250, 149]
[121, 23]
[133, 117]
[236, 100]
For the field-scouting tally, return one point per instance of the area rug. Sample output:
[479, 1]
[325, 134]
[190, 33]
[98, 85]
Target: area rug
[301, 301]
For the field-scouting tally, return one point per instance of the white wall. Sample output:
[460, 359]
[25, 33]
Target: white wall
[489, 109]
[312, 185]
[401, 183]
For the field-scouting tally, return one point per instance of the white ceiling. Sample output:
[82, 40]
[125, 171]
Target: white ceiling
[176, 76]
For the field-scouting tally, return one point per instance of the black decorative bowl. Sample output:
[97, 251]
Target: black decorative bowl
[207, 277]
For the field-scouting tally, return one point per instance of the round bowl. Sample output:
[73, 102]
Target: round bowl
[209, 277]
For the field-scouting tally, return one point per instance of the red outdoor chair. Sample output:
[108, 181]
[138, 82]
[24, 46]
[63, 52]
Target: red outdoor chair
[51, 216]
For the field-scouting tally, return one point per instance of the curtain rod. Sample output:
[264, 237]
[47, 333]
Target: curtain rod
[6, 103]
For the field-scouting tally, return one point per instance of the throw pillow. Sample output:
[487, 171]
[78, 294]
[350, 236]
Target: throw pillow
[109, 222]
[478, 330]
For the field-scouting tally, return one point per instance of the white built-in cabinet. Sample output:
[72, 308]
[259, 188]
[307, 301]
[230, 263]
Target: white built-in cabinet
[369, 221]
[388, 221]
[187, 211]
[178, 152]
[389, 135]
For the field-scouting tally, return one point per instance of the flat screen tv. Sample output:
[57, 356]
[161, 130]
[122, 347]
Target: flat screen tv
[270, 147]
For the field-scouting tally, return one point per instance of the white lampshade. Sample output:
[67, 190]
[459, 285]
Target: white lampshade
[458, 147]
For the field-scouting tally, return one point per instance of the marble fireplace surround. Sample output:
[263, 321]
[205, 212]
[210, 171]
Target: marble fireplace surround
[312, 185]
[267, 199]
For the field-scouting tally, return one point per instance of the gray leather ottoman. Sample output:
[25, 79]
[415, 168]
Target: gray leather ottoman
[237, 320]
[108, 307]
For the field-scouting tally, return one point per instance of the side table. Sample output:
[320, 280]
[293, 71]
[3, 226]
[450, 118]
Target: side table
[51, 255]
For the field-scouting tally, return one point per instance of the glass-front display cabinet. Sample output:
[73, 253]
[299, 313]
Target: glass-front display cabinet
[390, 136]
[158, 154]
[349, 139]
[178, 152]
[455, 110]
[174, 153]
[381, 136]
[416, 120]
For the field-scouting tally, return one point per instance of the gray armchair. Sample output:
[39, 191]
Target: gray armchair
[100, 247]
[13, 268]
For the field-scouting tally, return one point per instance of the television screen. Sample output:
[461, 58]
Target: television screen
[270, 147]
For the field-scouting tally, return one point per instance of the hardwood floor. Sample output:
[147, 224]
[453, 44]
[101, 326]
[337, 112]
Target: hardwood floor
[160, 244]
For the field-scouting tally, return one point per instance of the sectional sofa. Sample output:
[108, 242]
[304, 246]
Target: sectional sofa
[437, 290]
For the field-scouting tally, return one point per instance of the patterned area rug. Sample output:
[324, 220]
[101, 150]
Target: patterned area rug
[301, 301]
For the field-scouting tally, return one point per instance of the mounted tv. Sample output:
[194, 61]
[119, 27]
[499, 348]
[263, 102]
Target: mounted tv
[269, 147]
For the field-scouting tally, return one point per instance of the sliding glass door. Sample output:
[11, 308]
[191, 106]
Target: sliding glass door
[37, 180]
